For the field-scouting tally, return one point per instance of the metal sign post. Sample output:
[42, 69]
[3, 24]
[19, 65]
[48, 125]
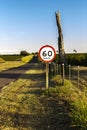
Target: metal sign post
[47, 54]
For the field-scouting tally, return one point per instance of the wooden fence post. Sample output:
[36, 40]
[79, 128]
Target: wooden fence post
[63, 74]
[69, 73]
[47, 75]
[78, 76]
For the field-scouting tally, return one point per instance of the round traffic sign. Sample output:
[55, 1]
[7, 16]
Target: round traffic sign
[47, 53]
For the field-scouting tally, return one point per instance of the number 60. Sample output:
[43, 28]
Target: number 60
[49, 53]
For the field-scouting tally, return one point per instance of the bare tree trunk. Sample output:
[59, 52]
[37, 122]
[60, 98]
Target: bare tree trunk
[60, 40]
[61, 47]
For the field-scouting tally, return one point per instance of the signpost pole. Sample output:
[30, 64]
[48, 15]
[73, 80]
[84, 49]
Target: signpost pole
[47, 54]
[47, 75]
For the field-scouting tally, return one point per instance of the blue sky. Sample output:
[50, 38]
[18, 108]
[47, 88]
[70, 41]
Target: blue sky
[30, 24]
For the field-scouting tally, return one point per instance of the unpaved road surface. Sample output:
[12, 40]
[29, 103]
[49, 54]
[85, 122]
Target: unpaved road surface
[13, 74]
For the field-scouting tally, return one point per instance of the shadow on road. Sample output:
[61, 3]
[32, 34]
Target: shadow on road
[13, 74]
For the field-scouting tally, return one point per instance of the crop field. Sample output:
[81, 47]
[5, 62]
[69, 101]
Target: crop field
[11, 61]
[11, 57]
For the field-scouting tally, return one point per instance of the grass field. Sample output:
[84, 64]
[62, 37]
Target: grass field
[11, 64]
[11, 57]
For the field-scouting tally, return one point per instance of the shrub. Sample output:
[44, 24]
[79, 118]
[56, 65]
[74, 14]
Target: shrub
[24, 53]
[77, 59]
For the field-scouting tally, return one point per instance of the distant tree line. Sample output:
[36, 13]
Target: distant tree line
[25, 53]
[77, 59]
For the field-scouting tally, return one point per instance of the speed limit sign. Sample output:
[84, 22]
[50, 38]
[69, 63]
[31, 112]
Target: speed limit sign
[47, 53]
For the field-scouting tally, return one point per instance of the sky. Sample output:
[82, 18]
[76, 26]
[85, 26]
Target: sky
[30, 24]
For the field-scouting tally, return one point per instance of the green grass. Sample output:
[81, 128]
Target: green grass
[12, 64]
[11, 57]
[27, 58]
[19, 106]
[15, 58]
[79, 113]
[76, 100]
[25, 104]
[1, 60]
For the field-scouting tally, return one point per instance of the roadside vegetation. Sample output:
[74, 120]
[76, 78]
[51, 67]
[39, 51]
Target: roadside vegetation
[4, 65]
[27, 58]
[11, 57]
[75, 98]
[20, 106]
[26, 105]
[1, 60]
[75, 59]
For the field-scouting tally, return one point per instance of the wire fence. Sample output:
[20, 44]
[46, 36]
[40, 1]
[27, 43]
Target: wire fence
[75, 74]
[78, 75]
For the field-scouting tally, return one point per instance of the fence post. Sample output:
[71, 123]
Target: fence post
[57, 69]
[78, 76]
[69, 73]
[63, 74]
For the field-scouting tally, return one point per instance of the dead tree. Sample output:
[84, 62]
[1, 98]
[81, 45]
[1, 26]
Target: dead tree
[60, 40]
[61, 61]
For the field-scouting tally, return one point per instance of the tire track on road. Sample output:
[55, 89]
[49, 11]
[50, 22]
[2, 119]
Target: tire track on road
[11, 75]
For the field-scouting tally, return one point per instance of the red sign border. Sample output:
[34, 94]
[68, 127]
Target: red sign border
[52, 49]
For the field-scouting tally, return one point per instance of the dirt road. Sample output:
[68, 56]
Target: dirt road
[13, 74]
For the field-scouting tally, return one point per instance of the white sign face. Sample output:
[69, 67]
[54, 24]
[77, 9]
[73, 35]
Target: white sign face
[47, 53]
